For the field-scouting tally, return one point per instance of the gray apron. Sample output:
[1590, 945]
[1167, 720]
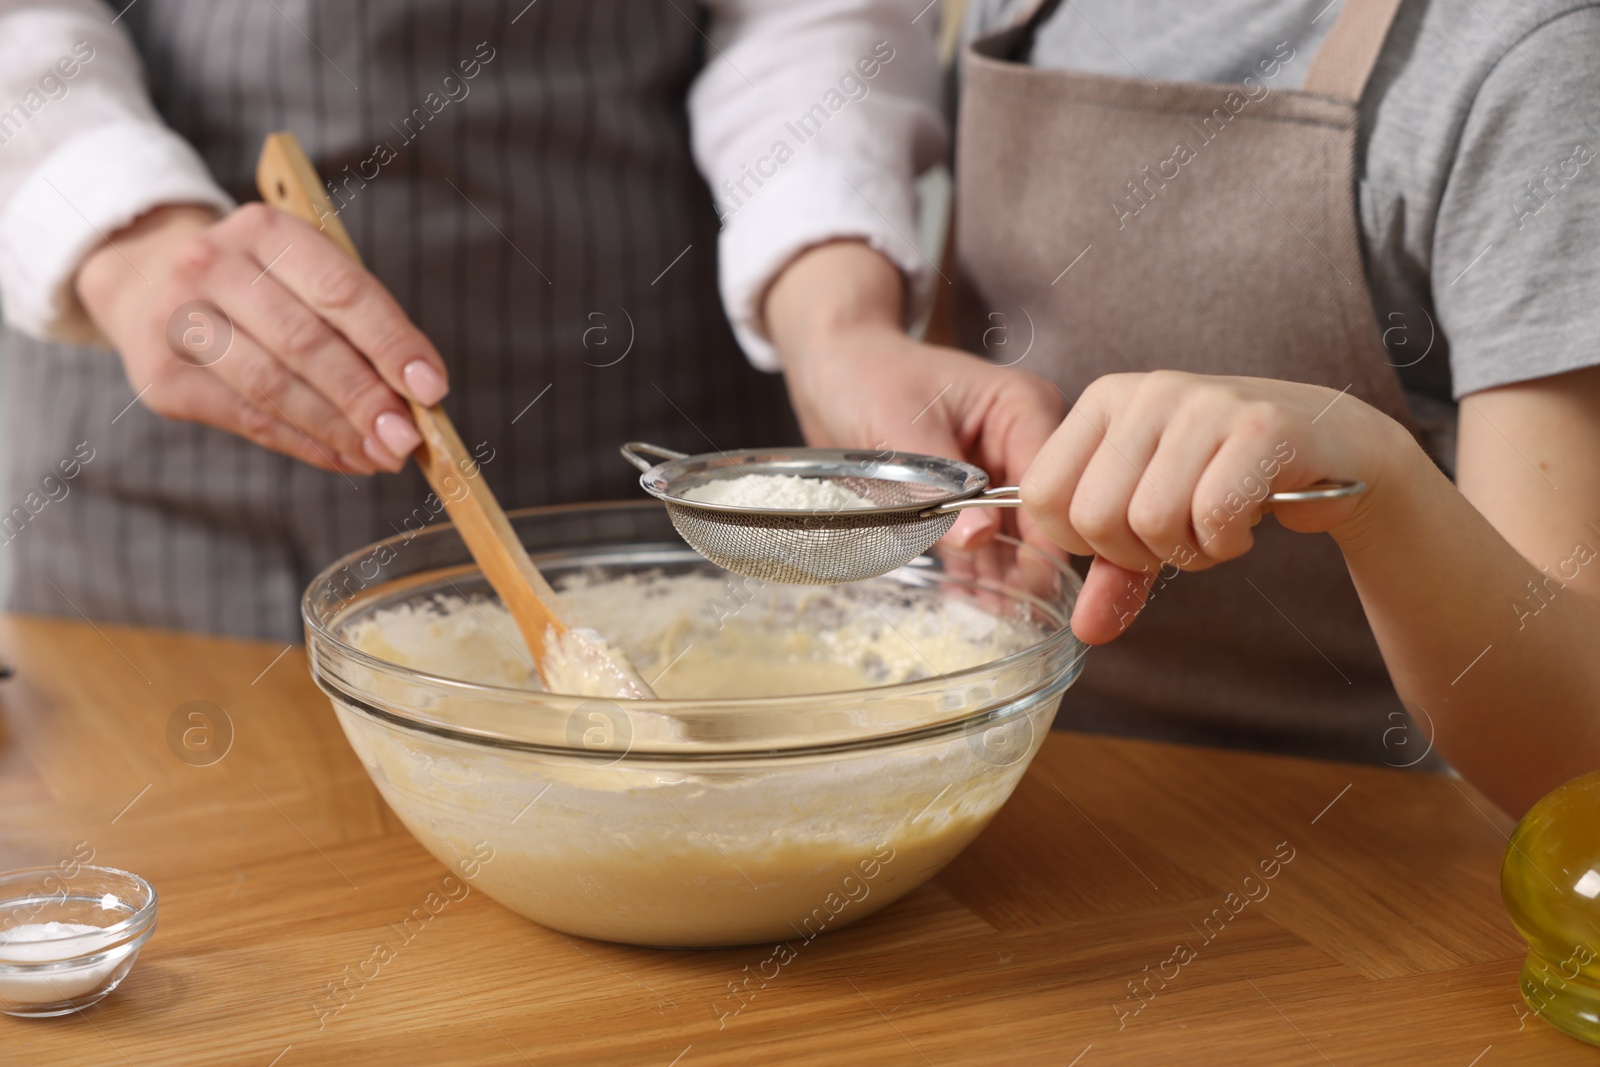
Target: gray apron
[573, 271]
[1240, 256]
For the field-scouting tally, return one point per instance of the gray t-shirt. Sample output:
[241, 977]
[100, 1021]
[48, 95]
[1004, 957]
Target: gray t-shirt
[1477, 168]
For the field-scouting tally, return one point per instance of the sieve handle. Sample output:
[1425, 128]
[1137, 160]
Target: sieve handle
[631, 450]
[1005, 496]
[1331, 490]
[1008, 496]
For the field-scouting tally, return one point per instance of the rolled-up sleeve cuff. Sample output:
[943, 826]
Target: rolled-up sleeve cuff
[84, 191]
[765, 227]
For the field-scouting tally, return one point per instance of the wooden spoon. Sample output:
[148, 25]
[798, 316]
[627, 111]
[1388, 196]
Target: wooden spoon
[288, 181]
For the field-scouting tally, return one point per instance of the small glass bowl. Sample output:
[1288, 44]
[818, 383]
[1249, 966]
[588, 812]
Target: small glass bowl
[46, 971]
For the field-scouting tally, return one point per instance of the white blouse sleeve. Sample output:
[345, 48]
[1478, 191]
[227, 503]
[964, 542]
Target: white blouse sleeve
[82, 154]
[811, 121]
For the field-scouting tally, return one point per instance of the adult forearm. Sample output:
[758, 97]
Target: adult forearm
[810, 124]
[83, 153]
[1495, 653]
[839, 285]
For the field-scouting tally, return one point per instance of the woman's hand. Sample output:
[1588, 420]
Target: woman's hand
[258, 324]
[1168, 470]
[856, 380]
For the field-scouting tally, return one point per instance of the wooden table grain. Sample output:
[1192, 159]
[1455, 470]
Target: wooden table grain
[1090, 924]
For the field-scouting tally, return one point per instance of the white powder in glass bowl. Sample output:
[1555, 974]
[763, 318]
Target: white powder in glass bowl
[39, 943]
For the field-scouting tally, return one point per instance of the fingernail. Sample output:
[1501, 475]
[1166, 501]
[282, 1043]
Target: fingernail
[375, 452]
[426, 384]
[397, 434]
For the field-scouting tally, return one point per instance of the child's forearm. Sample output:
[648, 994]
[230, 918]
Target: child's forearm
[1501, 657]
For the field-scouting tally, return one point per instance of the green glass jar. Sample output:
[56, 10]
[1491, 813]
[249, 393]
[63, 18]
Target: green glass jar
[1551, 884]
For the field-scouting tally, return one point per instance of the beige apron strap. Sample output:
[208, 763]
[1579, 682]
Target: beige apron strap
[1341, 66]
[1035, 12]
[1025, 24]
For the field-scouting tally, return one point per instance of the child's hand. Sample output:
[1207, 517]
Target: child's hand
[1168, 470]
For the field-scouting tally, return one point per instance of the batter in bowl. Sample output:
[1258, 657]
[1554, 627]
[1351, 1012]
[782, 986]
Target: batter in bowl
[625, 846]
[686, 640]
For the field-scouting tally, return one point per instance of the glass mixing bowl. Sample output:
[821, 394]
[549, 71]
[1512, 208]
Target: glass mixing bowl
[696, 823]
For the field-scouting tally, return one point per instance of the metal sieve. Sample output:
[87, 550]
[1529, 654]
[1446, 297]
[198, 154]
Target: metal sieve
[916, 500]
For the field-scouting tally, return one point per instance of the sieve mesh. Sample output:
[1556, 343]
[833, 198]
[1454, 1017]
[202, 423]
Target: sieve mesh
[808, 549]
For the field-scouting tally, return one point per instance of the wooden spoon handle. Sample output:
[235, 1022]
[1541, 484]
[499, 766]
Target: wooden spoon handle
[288, 181]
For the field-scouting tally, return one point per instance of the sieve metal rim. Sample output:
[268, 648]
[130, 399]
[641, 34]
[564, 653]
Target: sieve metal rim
[655, 479]
[975, 491]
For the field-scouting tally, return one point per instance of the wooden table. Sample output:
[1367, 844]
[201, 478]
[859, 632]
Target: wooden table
[1381, 941]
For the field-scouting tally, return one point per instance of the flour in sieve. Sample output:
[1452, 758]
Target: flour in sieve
[783, 492]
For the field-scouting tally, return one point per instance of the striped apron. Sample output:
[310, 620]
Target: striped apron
[542, 222]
